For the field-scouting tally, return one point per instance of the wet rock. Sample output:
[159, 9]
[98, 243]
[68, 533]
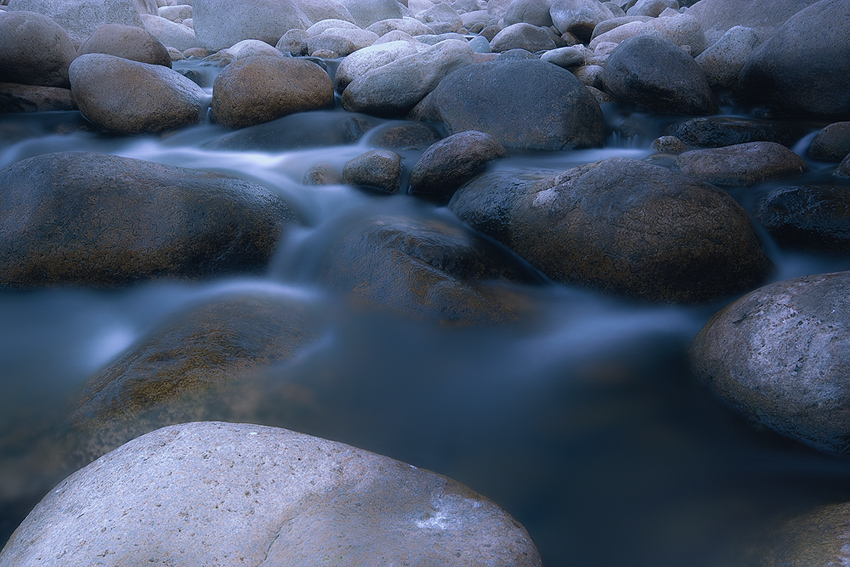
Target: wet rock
[621, 226]
[68, 222]
[719, 131]
[741, 164]
[128, 42]
[816, 538]
[367, 12]
[322, 174]
[843, 169]
[522, 36]
[376, 169]
[171, 34]
[801, 68]
[831, 143]
[81, 17]
[523, 104]
[403, 136]
[579, 17]
[34, 50]
[723, 61]
[779, 357]
[395, 88]
[534, 12]
[453, 161]
[425, 267]
[129, 97]
[364, 60]
[718, 16]
[669, 145]
[29, 98]
[257, 495]
[814, 217]
[657, 76]
[261, 88]
[566, 57]
[220, 23]
[301, 130]
[442, 18]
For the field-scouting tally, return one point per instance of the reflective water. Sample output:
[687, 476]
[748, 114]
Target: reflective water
[585, 424]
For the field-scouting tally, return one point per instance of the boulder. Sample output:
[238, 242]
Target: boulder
[364, 60]
[656, 75]
[607, 25]
[579, 17]
[341, 42]
[261, 88]
[367, 12]
[402, 136]
[812, 217]
[618, 34]
[68, 222]
[522, 36]
[723, 61]
[129, 97]
[651, 8]
[741, 164]
[441, 18]
[843, 169]
[682, 29]
[451, 162]
[176, 13]
[523, 104]
[395, 88]
[719, 131]
[832, 143]
[128, 42]
[534, 12]
[15, 97]
[566, 57]
[621, 226]
[716, 17]
[34, 50]
[424, 266]
[260, 495]
[815, 538]
[221, 23]
[801, 68]
[170, 34]
[247, 48]
[81, 17]
[779, 357]
[317, 10]
[375, 169]
[408, 25]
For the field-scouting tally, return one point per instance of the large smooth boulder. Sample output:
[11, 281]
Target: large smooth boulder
[803, 67]
[376, 169]
[522, 36]
[719, 131]
[257, 495]
[534, 12]
[261, 88]
[221, 23]
[579, 17]
[779, 357]
[367, 12]
[621, 226]
[34, 50]
[723, 61]
[364, 60]
[523, 104]
[81, 17]
[128, 42]
[719, 16]
[129, 97]
[832, 143]
[656, 75]
[741, 164]
[15, 97]
[395, 88]
[170, 34]
[809, 217]
[67, 221]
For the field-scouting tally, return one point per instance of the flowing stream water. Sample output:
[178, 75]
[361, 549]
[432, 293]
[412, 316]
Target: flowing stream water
[585, 424]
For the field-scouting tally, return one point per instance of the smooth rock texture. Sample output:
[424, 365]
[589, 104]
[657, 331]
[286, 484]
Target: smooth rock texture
[220, 23]
[779, 357]
[129, 97]
[843, 169]
[128, 42]
[534, 12]
[655, 75]
[261, 88]
[522, 36]
[376, 169]
[34, 50]
[718, 16]
[832, 143]
[171, 34]
[741, 164]
[802, 68]
[68, 222]
[621, 226]
[364, 60]
[523, 104]
[723, 61]
[579, 17]
[258, 495]
[367, 12]
[813, 217]
[81, 17]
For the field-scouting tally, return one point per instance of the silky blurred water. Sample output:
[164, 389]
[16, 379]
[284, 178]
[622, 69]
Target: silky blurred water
[584, 423]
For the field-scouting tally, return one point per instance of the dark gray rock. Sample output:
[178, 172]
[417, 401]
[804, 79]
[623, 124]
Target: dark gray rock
[523, 104]
[656, 75]
[779, 357]
[29, 98]
[741, 164]
[376, 169]
[814, 217]
[832, 143]
[718, 16]
[68, 222]
[579, 17]
[522, 36]
[843, 169]
[719, 131]
[621, 226]
[34, 50]
[534, 12]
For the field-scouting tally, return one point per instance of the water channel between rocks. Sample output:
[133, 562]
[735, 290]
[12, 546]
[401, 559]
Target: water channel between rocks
[586, 424]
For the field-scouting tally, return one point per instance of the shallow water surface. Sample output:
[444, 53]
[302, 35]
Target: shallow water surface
[584, 422]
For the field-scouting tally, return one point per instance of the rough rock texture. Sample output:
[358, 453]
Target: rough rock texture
[15, 97]
[376, 169]
[221, 23]
[81, 17]
[817, 538]
[429, 268]
[258, 495]
[832, 143]
[780, 357]
[814, 217]
[657, 76]
[523, 104]
[741, 164]
[803, 67]
[129, 97]
[68, 221]
[719, 131]
[261, 88]
[621, 226]
[34, 50]
[128, 42]
[451, 162]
